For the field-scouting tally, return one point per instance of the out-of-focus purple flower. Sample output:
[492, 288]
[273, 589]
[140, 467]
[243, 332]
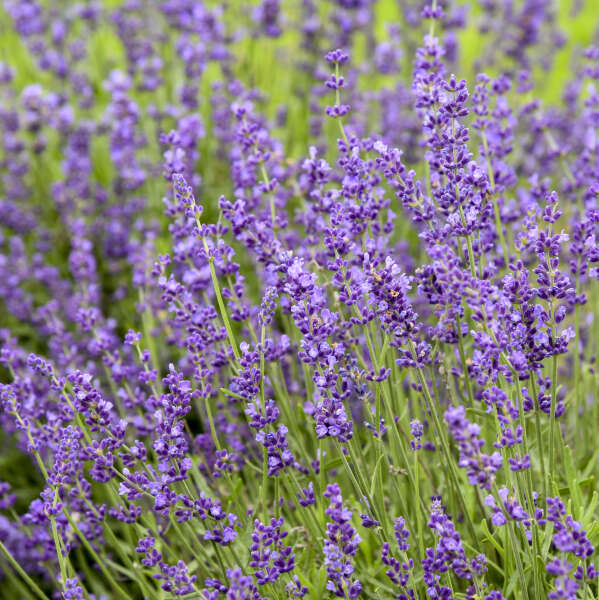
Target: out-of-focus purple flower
[481, 468]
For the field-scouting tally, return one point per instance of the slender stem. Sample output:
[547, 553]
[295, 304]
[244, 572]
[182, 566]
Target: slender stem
[338, 102]
[552, 424]
[540, 449]
[450, 462]
[122, 593]
[17, 567]
[431, 30]
[468, 242]
[418, 513]
[221, 305]
[498, 225]
[61, 559]
[463, 361]
[216, 285]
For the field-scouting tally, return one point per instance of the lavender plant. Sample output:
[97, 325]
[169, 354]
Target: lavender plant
[329, 337]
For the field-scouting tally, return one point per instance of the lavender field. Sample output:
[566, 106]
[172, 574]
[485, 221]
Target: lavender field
[299, 299]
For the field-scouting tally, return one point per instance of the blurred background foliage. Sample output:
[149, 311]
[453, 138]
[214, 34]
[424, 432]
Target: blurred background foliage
[270, 66]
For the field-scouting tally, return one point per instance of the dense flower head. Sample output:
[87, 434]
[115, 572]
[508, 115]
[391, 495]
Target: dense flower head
[480, 467]
[568, 534]
[509, 508]
[340, 545]
[269, 555]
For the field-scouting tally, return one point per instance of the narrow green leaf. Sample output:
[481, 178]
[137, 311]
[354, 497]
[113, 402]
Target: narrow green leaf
[588, 469]
[374, 475]
[547, 540]
[489, 537]
[577, 501]
[569, 465]
[593, 533]
[512, 584]
[590, 511]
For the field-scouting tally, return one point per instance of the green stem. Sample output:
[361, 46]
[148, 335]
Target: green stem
[463, 361]
[418, 513]
[552, 424]
[216, 286]
[117, 588]
[498, 225]
[445, 446]
[338, 102]
[540, 450]
[61, 559]
[17, 567]
[468, 242]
